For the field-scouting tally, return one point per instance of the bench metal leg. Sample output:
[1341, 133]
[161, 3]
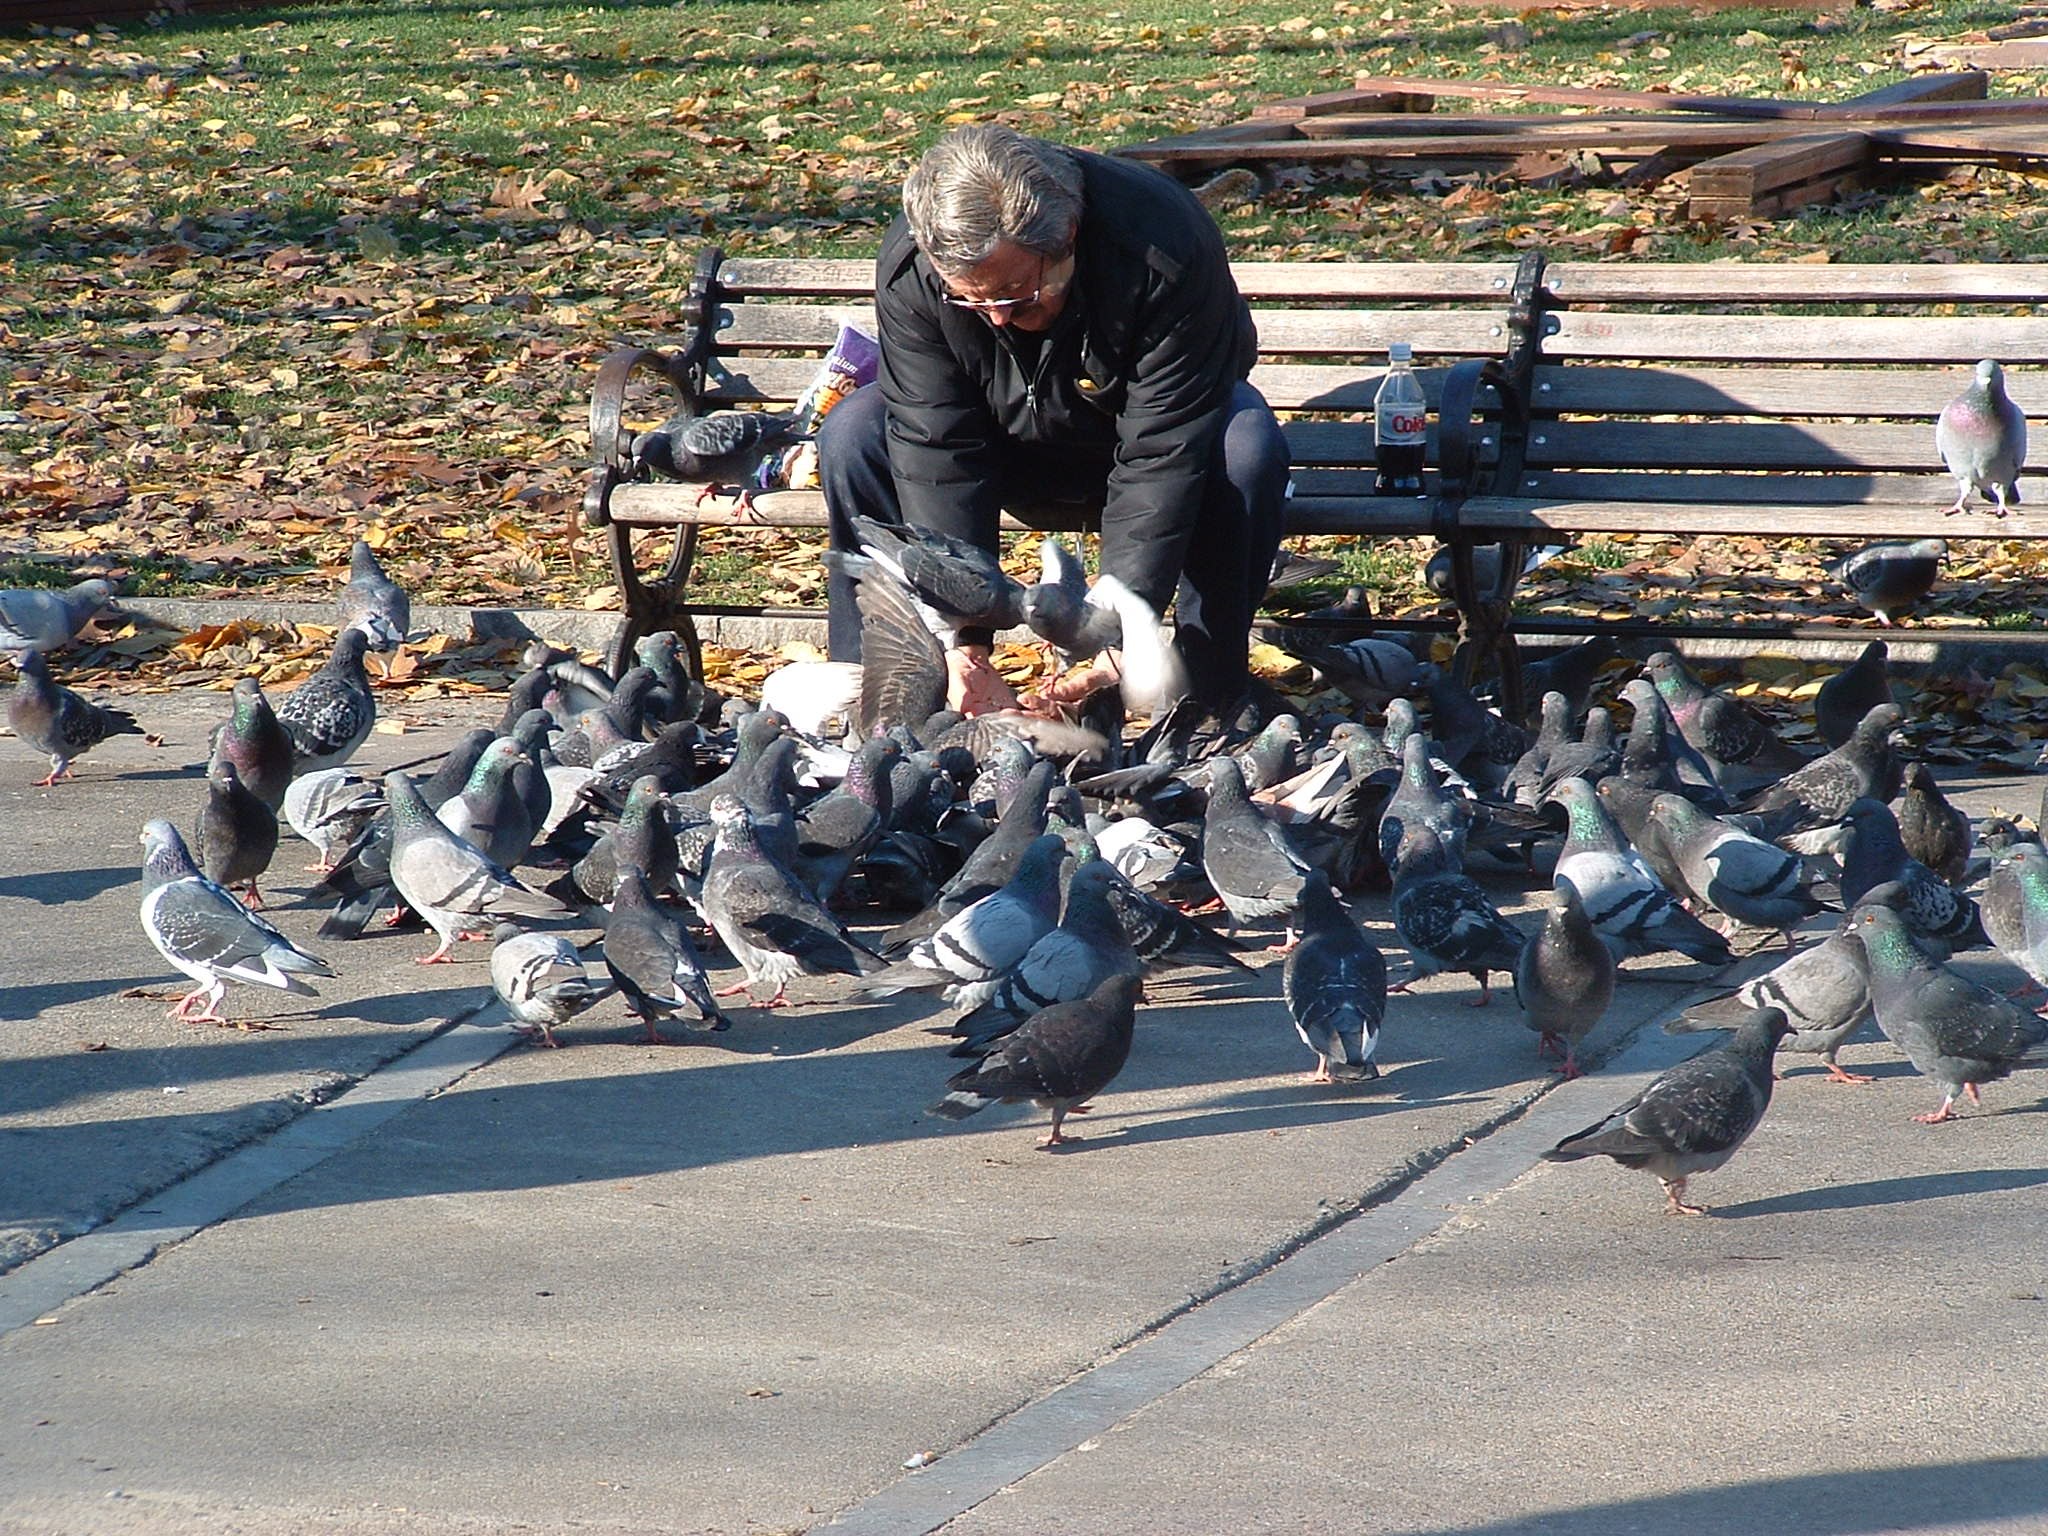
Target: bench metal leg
[654, 603]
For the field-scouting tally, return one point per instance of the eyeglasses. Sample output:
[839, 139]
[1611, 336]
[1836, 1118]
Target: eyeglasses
[1008, 306]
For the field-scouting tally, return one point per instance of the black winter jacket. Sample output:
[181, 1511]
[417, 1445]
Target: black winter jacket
[1139, 366]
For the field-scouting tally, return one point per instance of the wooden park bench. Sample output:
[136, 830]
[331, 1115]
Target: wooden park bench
[1766, 400]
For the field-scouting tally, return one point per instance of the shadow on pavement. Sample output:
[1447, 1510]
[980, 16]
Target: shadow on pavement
[22, 1003]
[1947, 1495]
[1920, 1186]
[61, 887]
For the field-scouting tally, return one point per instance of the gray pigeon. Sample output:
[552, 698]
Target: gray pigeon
[1822, 792]
[1823, 990]
[540, 979]
[1951, 1029]
[2015, 909]
[1067, 962]
[1252, 866]
[208, 935]
[1060, 1057]
[1626, 904]
[1419, 798]
[1873, 854]
[1692, 1118]
[768, 922]
[652, 961]
[1740, 745]
[1369, 672]
[902, 665]
[1935, 832]
[1058, 608]
[1740, 876]
[1564, 979]
[961, 584]
[1691, 772]
[976, 946]
[331, 713]
[449, 881]
[237, 833]
[1850, 694]
[33, 619]
[644, 840]
[1165, 936]
[259, 747]
[374, 601]
[1554, 730]
[1469, 736]
[490, 813]
[1335, 984]
[1981, 436]
[717, 447]
[1890, 578]
[57, 722]
[329, 808]
[1445, 919]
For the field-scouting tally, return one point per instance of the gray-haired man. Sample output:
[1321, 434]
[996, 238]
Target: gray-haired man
[1059, 326]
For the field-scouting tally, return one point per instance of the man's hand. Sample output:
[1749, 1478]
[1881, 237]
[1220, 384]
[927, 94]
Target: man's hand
[973, 687]
[1100, 673]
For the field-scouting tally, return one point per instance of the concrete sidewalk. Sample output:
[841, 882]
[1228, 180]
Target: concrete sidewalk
[736, 1286]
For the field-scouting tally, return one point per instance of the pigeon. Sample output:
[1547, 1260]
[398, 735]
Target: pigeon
[374, 601]
[1873, 854]
[2015, 909]
[902, 665]
[1823, 990]
[539, 977]
[1981, 436]
[1291, 568]
[1554, 730]
[1850, 694]
[582, 686]
[33, 619]
[1564, 979]
[1950, 1028]
[1060, 1057]
[329, 808]
[259, 747]
[1889, 579]
[1059, 609]
[977, 945]
[1255, 871]
[1627, 906]
[1935, 832]
[644, 840]
[1067, 962]
[490, 814]
[670, 757]
[1692, 1118]
[1368, 672]
[1470, 737]
[1151, 675]
[205, 933]
[768, 922]
[1335, 984]
[330, 714]
[717, 447]
[988, 868]
[55, 721]
[1740, 745]
[361, 873]
[1419, 799]
[1657, 752]
[1142, 853]
[1571, 671]
[1822, 792]
[1165, 936]
[960, 584]
[236, 833]
[652, 961]
[449, 881]
[677, 695]
[1445, 919]
[1594, 757]
[1739, 876]
[1628, 804]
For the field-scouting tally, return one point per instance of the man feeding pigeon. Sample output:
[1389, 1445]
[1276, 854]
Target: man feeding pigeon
[1058, 327]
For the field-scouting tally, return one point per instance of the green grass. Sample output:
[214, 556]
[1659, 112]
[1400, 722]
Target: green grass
[433, 221]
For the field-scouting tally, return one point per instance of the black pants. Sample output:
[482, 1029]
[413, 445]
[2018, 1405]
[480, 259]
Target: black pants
[1229, 559]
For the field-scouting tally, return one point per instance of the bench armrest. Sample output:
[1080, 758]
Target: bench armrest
[1461, 432]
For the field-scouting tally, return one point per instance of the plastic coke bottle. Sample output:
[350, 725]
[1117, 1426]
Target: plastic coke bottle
[1400, 419]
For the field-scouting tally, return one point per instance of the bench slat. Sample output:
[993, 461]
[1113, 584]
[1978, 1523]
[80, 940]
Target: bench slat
[1746, 490]
[1582, 282]
[1468, 333]
[1732, 445]
[1597, 389]
[1801, 338]
[1780, 520]
[769, 278]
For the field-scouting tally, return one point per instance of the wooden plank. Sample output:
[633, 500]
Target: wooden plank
[1734, 445]
[1589, 282]
[2010, 146]
[1373, 137]
[1784, 520]
[1591, 96]
[1174, 146]
[1309, 333]
[1297, 107]
[1903, 393]
[854, 281]
[1964, 85]
[1730, 185]
[1799, 338]
[2014, 53]
[1737, 490]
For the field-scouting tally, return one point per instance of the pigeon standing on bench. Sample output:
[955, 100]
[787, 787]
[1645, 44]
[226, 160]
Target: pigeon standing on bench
[1982, 438]
[1890, 579]
[36, 620]
[56, 721]
[373, 600]
[719, 448]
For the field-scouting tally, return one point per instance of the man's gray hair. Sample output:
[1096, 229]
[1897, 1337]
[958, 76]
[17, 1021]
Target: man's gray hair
[984, 184]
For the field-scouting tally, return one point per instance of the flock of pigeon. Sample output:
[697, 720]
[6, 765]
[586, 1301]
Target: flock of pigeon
[1047, 864]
